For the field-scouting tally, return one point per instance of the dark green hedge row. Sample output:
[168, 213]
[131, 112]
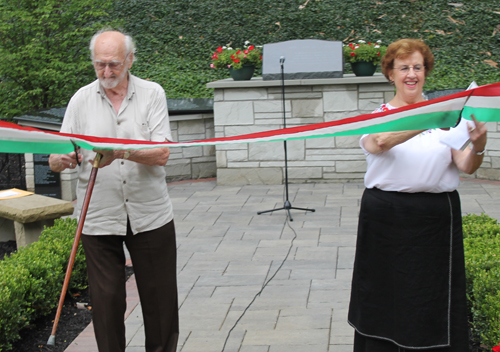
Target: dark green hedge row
[482, 260]
[45, 39]
[31, 279]
[177, 37]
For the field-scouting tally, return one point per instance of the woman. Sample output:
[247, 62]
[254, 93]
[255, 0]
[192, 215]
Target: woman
[408, 288]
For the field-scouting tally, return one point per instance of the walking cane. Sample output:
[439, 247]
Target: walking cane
[81, 221]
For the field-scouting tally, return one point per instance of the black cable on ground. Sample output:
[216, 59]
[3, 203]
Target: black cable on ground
[265, 284]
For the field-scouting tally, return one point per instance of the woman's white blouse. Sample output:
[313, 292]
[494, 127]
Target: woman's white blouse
[421, 164]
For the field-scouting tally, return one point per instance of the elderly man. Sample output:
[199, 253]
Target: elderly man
[130, 202]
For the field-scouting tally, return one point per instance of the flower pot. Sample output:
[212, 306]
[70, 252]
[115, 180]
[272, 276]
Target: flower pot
[242, 74]
[363, 68]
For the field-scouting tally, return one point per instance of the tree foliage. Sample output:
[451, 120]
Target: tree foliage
[44, 56]
[43, 51]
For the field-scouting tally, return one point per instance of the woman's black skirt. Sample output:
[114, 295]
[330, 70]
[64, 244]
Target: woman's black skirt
[408, 287]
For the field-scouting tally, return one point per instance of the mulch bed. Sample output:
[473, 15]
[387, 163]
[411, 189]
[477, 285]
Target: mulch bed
[72, 322]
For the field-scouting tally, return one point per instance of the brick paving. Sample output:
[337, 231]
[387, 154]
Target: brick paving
[227, 254]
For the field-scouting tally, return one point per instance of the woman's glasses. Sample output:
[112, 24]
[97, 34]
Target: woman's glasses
[406, 69]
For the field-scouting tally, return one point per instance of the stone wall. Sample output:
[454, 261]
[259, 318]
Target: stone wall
[242, 107]
[190, 163]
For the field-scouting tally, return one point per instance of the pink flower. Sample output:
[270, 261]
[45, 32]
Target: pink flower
[212, 65]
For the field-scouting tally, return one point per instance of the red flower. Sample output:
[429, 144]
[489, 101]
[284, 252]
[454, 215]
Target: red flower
[238, 52]
[496, 348]
[353, 54]
[214, 56]
[251, 47]
[237, 60]
[232, 56]
[369, 43]
[219, 49]
[246, 51]
[260, 57]
[378, 54]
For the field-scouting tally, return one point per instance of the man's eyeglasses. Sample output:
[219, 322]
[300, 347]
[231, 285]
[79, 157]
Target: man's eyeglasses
[406, 69]
[113, 65]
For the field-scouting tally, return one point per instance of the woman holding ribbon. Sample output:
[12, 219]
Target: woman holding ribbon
[408, 287]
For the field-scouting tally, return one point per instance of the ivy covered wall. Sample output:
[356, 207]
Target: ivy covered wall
[176, 38]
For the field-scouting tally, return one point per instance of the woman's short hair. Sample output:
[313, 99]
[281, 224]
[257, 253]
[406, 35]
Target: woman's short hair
[403, 48]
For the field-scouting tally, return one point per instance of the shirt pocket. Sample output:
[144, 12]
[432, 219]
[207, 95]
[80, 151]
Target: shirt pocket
[144, 131]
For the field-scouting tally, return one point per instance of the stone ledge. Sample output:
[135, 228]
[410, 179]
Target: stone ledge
[255, 82]
[34, 208]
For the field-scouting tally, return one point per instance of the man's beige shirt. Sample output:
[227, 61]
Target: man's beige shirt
[124, 188]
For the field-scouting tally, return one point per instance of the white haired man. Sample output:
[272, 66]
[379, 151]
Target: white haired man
[130, 203]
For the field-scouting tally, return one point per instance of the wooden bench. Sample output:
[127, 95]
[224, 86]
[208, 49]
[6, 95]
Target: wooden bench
[23, 219]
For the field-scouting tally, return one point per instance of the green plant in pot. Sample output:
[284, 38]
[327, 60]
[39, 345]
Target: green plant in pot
[364, 57]
[240, 62]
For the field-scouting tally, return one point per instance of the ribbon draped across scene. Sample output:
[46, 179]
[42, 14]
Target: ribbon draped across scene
[443, 112]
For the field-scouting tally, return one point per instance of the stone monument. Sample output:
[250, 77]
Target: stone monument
[304, 59]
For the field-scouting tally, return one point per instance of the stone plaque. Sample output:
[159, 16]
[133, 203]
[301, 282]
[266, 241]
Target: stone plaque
[47, 182]
[304, 59]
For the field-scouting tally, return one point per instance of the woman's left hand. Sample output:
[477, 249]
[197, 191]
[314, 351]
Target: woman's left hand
[477, 135]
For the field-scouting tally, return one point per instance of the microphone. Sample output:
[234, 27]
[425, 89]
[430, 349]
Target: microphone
[282, 59]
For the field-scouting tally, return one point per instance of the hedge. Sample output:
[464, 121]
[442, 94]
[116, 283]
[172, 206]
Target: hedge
[482, 261]
[31, 279]
[176, 39]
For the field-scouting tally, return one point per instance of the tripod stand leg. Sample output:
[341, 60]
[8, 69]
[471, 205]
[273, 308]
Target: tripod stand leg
[269, 211]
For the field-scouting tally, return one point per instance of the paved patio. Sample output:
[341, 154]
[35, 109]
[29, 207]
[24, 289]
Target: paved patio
[227, 254]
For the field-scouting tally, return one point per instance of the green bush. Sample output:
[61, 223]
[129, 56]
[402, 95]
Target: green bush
[482, 260]
[31, 279]
[44, 56]
[181, 35]
[43, 51]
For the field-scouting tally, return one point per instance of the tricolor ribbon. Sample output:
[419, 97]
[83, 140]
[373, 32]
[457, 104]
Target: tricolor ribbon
[483, 102]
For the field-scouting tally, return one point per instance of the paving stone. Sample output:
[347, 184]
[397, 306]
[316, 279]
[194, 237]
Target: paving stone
[226, 252]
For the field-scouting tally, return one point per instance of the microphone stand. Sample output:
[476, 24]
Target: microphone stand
[287, 205]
